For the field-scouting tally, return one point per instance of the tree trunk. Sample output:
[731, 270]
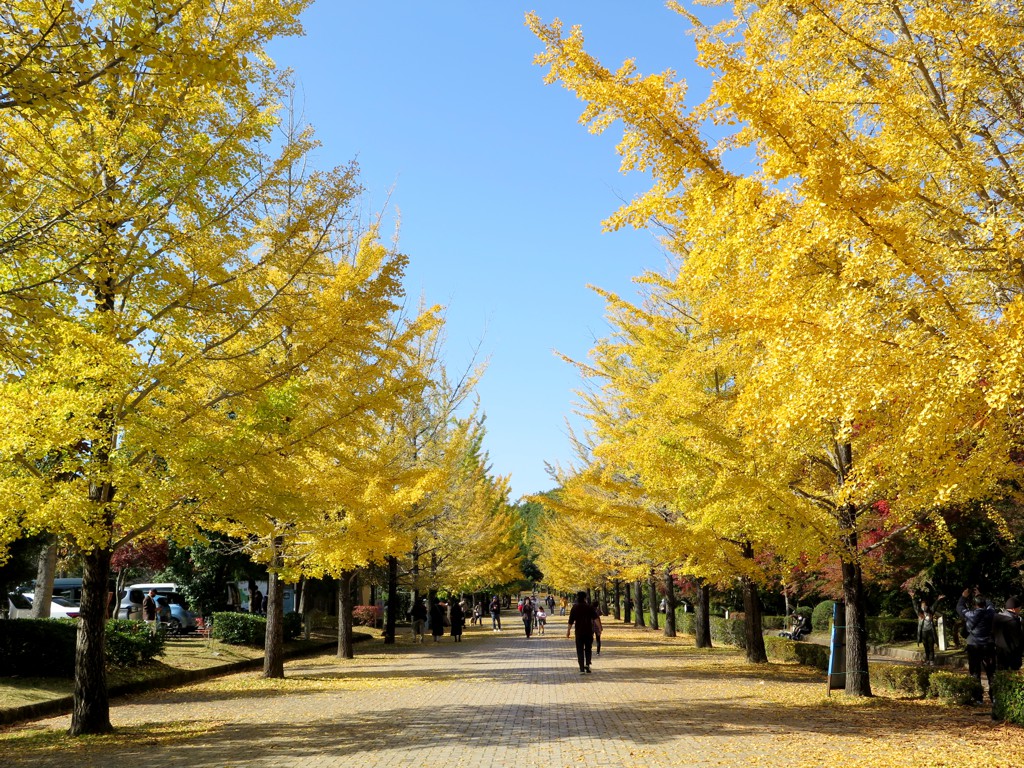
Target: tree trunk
[627, 606]
[391, 614]
[617, 603]
[638, 606]
[46, 567]
[652, 596]
[670, 605]
[753, 632]
[702, 616]
[273, 647]
[91, 713]
[345, 603]
[604, 598]
[857, 681]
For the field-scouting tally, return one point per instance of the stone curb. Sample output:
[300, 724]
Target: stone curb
[64, 704]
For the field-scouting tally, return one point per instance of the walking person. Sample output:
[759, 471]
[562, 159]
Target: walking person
[564, 606]
[927, 633]
[495, 614]
[979, 615]
[582, 617]
[542, 618]
[457, 617]
[598, 627]
[150, 614]
[418, 614]
[436, 619]
[527, 611]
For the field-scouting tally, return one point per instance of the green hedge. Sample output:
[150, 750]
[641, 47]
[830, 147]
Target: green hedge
[239, 628]
[954, 688]
[780, 649]
[129, 643]
[906, 679]
[884, 630]
[685, 622]
[773, 623]
[251, 629]
[728, 631]
[1008, 690]
[37, 648]
[821, 616]
[792, 651]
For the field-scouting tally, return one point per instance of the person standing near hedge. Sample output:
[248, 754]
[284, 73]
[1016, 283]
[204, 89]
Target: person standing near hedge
[927, 633]
[979, 615]
[1009, 636]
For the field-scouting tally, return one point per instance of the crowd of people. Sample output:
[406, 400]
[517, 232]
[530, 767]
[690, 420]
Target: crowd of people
[994, 639]
[435, 616]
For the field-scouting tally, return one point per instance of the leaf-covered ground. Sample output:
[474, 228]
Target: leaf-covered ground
[500, 699]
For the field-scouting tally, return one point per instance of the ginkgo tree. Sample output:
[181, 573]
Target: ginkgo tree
[135, 324]
[868, 262]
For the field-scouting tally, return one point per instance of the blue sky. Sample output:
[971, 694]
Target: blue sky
[500, 191]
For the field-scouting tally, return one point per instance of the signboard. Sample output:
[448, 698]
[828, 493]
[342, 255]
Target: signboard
[837, 649]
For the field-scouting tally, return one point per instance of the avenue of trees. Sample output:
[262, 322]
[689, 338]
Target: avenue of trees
[198, 336]
[834, 361]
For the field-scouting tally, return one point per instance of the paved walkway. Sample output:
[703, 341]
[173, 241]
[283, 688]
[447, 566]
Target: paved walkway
[502, 700]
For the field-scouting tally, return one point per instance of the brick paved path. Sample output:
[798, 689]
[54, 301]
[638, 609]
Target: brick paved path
[503, 700]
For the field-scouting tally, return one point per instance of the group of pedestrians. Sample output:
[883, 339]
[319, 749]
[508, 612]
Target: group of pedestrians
[584, 617]
[534, 615]
[995, 639]
[436, 617]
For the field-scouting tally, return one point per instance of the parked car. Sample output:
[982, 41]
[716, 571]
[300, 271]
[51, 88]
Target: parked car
[18, 607]
[60, 607]
[181, 618]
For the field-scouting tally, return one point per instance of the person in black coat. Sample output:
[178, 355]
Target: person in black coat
[457, 617]
[1008, 636]
[437, 612]
[979, 616]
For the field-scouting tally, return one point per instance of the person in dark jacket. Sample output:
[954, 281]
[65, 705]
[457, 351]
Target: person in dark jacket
[436, 619]
[418, 614]
[527, 611]
[457, 618]
[582, 617]
[927, 632]
[1008, 636]
[979, 615]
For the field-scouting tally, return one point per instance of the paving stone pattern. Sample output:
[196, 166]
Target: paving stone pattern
[495, 700]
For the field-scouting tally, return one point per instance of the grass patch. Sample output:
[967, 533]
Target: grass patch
[184, 654]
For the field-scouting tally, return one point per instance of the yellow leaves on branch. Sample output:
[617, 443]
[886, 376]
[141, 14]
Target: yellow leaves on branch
[842, 324]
